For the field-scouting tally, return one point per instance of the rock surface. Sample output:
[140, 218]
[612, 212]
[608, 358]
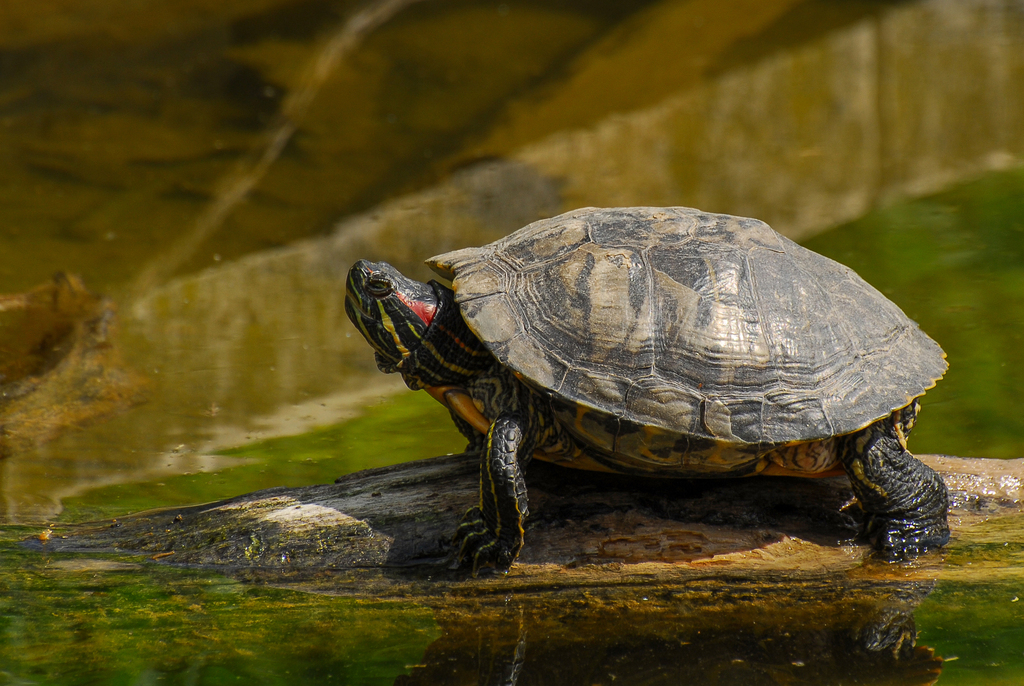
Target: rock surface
[60, 365]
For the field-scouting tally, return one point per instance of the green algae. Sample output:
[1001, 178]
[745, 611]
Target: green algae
[88, 620]
[975, 615]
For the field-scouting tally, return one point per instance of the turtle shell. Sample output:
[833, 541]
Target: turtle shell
[685, 322]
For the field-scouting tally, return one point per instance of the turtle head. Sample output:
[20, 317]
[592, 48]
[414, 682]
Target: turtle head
[392, 312]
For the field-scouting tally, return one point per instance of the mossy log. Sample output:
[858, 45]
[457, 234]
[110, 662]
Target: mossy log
[385, 532]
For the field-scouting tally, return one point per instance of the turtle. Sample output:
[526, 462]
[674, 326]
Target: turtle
[661, 342]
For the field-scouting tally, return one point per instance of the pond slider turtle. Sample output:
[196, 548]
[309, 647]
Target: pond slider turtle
[662, 342]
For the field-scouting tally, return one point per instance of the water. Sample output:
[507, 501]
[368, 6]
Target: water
[889, 136]
[955, 263]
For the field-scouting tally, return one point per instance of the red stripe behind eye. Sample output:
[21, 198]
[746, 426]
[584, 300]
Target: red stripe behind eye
[424, 311]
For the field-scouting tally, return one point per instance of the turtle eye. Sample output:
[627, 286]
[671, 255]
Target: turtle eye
[379, 286]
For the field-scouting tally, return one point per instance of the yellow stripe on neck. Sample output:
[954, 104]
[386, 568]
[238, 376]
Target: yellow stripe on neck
[389, 326]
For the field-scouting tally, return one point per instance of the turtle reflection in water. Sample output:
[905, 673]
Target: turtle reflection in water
[663, 342]
[706, 632]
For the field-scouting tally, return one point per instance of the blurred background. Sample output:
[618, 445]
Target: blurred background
[214, 168]
[200, 176]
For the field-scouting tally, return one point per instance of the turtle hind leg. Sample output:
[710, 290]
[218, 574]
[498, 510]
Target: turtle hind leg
[491, 534]
[905, 501]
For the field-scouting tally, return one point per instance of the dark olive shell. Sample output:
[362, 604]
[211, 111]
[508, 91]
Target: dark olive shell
[684, 322]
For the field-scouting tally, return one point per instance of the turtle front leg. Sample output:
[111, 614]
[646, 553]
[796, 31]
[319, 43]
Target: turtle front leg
[905, 501]
[491, 534]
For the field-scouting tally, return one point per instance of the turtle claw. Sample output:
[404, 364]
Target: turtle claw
[901, 540]
[479, 545]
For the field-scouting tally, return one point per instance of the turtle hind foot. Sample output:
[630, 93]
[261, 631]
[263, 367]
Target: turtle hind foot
[901, 540]
[478, 546]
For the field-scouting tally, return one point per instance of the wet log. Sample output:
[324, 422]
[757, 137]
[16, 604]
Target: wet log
[385, 532]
